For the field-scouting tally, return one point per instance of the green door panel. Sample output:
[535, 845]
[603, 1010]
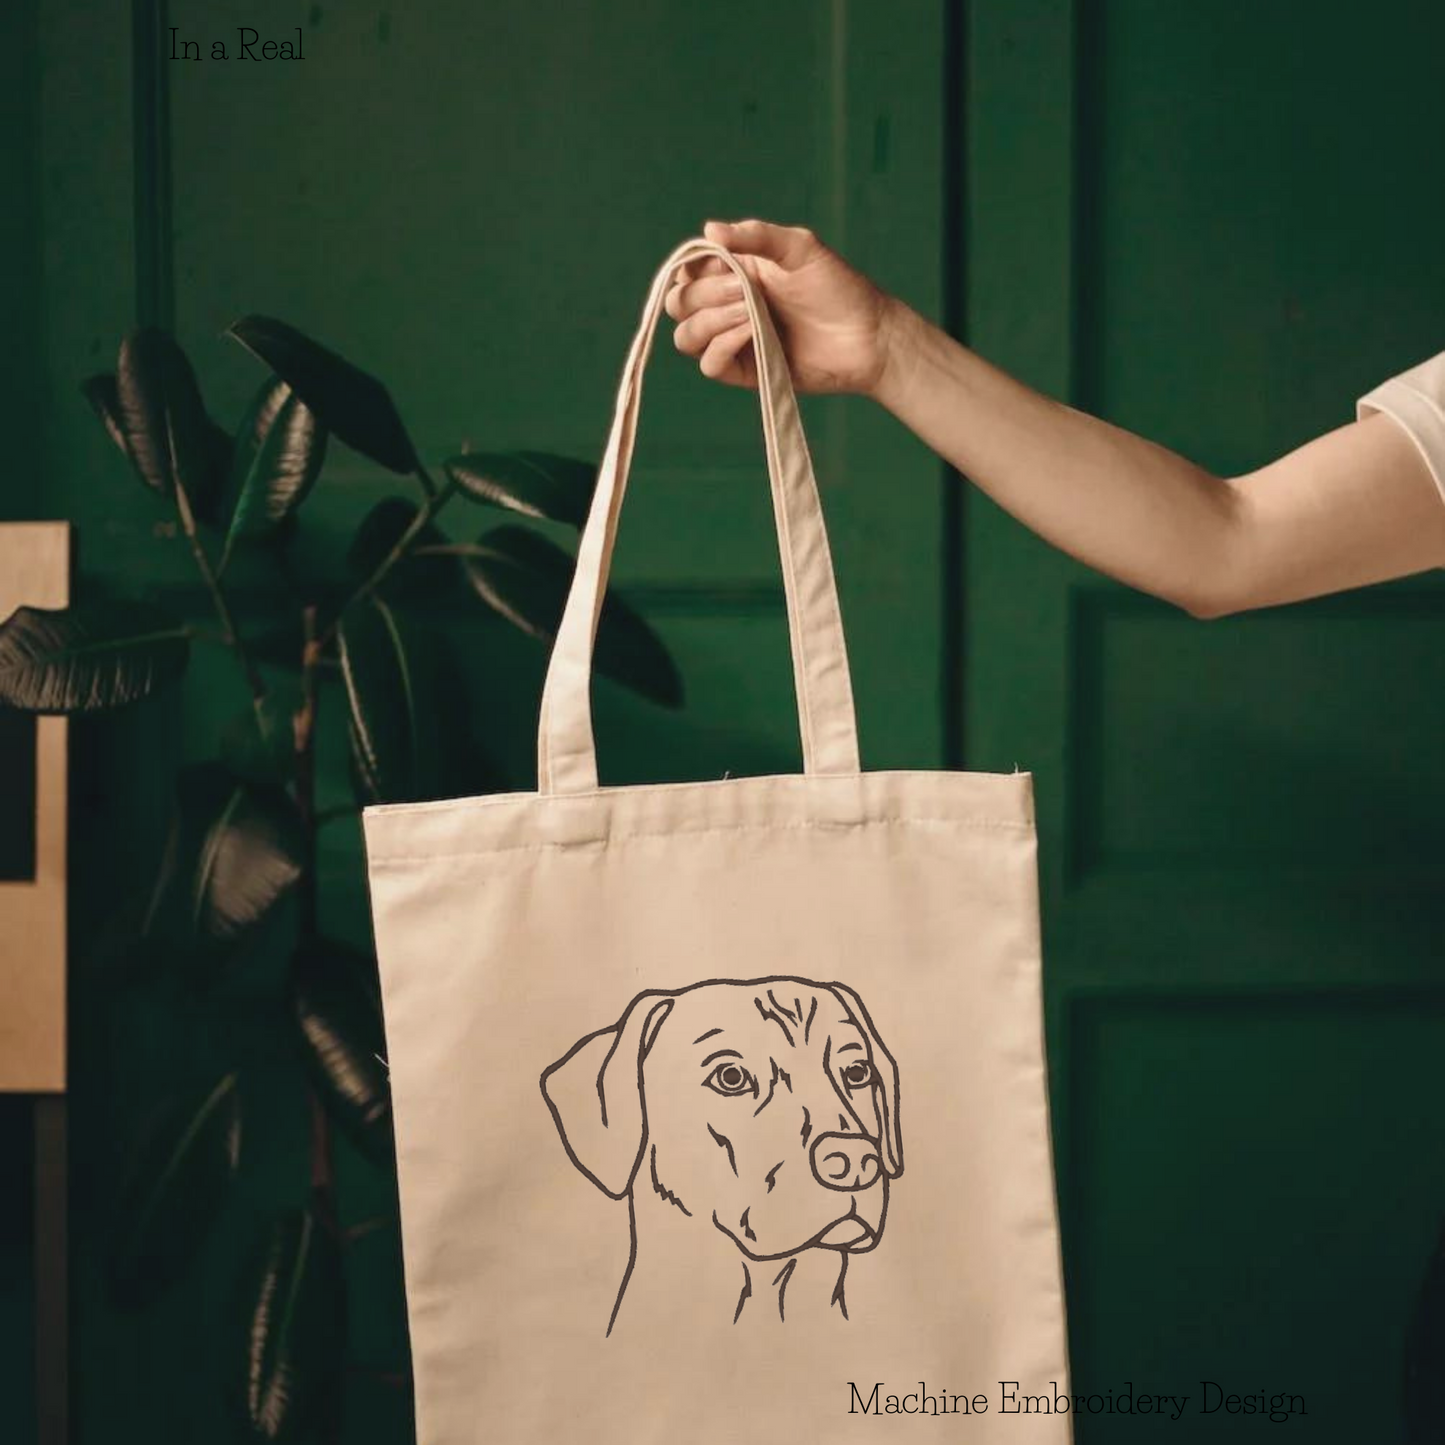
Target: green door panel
[1211, 224]
[1251, 1202]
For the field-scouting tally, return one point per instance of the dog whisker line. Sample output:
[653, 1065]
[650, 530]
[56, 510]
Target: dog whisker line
[723, 1142]
[662, 1190]
[838, 1296]
[781, 1280]
[746, 1293]
[772, 1084]
[783, 1009]
[772, 1016]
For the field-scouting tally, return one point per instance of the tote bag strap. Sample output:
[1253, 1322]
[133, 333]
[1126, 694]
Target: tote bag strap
[566, 753]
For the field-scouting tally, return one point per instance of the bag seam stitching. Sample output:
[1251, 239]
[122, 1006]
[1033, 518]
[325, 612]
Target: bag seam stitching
[609, 839]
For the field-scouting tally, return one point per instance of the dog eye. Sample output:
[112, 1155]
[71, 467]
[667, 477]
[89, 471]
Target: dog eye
[859, 1075]
[730, 1079]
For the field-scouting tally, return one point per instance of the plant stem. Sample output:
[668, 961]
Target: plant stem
[230, 631]
[369, 1226]
[303, 734]
[424, 514]
[323, 1170]
[453, 549]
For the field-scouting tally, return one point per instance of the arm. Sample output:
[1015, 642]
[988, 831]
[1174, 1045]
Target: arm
[1355, 506]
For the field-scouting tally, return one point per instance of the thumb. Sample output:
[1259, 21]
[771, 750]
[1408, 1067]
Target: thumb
[787, 245]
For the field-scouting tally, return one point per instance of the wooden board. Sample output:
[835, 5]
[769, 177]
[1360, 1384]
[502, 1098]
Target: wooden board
[35, 571]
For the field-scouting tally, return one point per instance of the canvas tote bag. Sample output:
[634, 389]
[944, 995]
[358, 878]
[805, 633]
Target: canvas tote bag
[720, 1107]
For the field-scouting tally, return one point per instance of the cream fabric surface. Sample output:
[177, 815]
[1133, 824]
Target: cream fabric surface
[720, 1104]
[1416, 400]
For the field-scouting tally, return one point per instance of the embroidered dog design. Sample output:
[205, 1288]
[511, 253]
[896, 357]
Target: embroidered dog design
[752, 1127]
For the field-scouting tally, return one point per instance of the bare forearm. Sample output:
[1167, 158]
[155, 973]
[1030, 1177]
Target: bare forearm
[1359, 504]
[1134, 510]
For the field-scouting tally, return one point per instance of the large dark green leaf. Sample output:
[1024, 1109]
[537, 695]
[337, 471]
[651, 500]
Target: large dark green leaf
[88, 657]
[100, 391]
[236, 850]
[348, 402]
[339, 1016]
[168, 435]
[412, 578]
[210, 450]
[250, 855]
[395, 702]
[277, 458]
[537, 484]
[180, 1177]
[526, 578]
[159, 410]
[293, 1306]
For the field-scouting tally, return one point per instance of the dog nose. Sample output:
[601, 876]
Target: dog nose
[846, 1161]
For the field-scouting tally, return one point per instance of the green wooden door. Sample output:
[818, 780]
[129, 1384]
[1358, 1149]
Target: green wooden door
[1217, 225]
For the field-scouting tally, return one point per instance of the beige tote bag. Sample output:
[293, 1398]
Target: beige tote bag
[720, 1107]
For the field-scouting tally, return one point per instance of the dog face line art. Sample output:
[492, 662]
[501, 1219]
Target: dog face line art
[750, 1124]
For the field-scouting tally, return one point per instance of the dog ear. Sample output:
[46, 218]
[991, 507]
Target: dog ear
[887, 1066]
[594, 1092]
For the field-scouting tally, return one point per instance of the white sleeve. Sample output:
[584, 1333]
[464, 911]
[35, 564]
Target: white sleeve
[1416, 400]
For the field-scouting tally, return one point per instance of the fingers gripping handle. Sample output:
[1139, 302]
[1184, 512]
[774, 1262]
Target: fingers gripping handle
[566, 754]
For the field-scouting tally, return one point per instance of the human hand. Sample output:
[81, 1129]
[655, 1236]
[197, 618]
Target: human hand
[835, 324]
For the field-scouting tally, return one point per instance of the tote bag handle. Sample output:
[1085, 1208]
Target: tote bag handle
[566, 752]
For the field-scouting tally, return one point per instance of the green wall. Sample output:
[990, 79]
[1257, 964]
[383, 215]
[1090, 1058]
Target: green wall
[1212, 223]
